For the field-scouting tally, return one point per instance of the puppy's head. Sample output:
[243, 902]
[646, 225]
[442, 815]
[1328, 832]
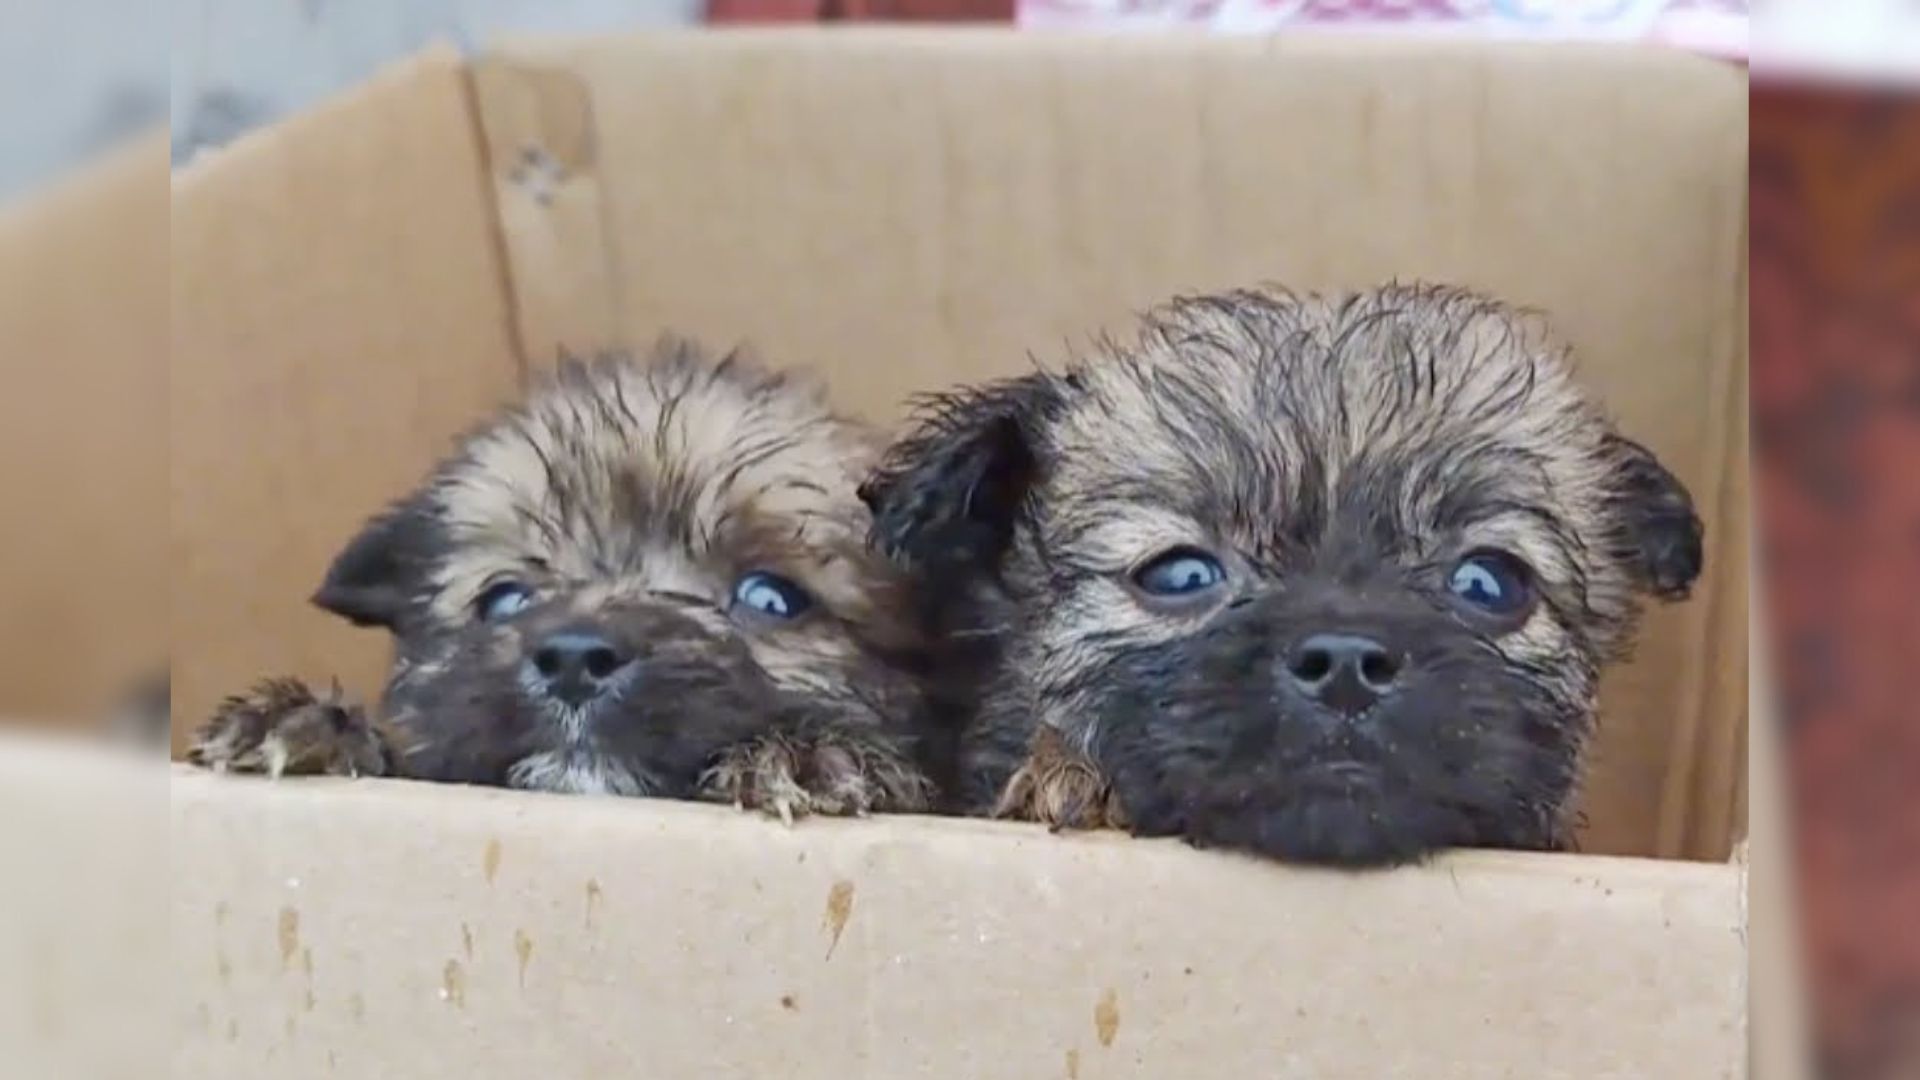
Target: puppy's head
[1323, 579]
[642, 564]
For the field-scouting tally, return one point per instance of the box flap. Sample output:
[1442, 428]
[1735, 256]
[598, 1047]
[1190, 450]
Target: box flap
[909, 209]
[508, 928]
[338, 316]
[85, 955]
[83, 436]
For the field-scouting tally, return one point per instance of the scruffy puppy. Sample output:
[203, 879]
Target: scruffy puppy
[650, 578]
[1327, 579]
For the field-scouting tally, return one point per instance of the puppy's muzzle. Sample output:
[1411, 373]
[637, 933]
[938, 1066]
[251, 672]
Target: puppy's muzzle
[578, 665]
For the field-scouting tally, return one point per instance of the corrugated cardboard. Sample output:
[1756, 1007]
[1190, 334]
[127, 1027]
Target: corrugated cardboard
[338, 315]
[382, 928]
[83, 449]
[903, 211]
[84, 943]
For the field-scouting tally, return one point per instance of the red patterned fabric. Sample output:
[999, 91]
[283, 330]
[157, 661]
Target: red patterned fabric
[1718, 27]
[781, 11]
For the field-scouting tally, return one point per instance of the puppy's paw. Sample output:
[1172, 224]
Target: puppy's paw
[792, 776]
[1059, 787]
[848, 775]
[280, 727]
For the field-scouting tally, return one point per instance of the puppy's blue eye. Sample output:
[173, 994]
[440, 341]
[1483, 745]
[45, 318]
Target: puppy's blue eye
[503, 600]
[771, 595]
[1494, 582]
[1180, 572]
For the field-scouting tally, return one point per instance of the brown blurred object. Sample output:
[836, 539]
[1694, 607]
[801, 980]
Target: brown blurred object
[1836, 415]
[779, 11]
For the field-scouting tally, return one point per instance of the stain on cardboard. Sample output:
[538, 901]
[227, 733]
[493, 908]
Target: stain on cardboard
[290, 1027]
[1073, 1064]
[466, 941]
[1106, 1018]
[839, 910]
[789, 1003]
[233, 1031]
[538, 173]
[220, 913]
[594, 896]
[223, 967]
[289, 933]
[523, 948]
[357, 1007]
[490, 862]
[310, 1000]
[453, 985]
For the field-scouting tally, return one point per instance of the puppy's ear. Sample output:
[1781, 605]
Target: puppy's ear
[1657, 533]
[380, 574]
[949, 490]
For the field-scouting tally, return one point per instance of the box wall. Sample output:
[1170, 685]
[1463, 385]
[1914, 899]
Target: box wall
[515, 934]
[338, 317]
[904, 210]
[83, 439]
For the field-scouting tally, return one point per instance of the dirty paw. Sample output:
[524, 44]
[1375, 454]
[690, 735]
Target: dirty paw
[1059, 787]
[280, 727]
[789, 778]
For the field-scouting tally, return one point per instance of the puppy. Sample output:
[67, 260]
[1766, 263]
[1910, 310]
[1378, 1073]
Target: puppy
[650, 578]
[1324, 579]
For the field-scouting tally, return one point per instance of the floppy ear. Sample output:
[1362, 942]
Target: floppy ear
[1658, 533]
[949, 490]
[380, 574]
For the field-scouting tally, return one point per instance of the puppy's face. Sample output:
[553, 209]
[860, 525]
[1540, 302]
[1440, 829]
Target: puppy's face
[1323, 580]
[644, 564]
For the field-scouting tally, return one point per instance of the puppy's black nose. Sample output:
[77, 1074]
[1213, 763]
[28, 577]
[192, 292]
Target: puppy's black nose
[576, 666]
[1345, 672]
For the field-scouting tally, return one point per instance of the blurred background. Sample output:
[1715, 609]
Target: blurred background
[78, 74]
[82, 73]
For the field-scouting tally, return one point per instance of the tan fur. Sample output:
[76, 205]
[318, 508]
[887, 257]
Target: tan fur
[678, 431]
[1409, 470]
[1121, 431]
[1060, 787]
[626, 499]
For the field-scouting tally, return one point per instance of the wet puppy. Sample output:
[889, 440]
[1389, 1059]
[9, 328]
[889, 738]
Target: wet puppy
[650, 578]
[1327, 579]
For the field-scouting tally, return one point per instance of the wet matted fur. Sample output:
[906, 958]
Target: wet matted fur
[1329, 579]
[651, 577]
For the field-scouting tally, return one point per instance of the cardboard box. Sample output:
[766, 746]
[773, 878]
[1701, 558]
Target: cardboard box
[903, 210]
[83, 445]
